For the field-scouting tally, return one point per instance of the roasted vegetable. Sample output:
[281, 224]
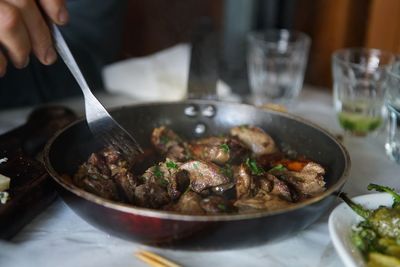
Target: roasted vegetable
[378, 236]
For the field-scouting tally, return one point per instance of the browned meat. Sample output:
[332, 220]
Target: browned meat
[242, 172]
[97, 167]
[244, 181]
[168, 143]
[111, 155]
[188, 203]
[219, 150]
[167, 175]
[258, 141]
[309, 181]
[105, 188]
[248, 183]
[278, 188]
[126, 183]
[212, 149]
[262, 201]
[238, 150]
[203, 175]
[151, 195]
[215, 205]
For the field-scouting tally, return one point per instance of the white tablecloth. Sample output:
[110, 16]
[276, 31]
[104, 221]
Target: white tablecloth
[58, 237]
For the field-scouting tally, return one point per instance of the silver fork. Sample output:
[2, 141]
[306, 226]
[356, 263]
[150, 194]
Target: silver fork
[100, 123]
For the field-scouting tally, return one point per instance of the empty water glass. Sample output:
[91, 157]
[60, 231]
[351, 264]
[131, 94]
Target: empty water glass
[276, 62]
[392, 101]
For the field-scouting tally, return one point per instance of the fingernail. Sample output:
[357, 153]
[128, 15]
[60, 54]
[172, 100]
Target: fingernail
[21, 65]
[51, 56]
[63, 15]
[26, 63]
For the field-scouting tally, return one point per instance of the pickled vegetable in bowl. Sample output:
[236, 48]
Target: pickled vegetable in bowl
[378, 235]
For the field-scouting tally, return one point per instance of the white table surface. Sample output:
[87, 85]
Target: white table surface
[58, 237]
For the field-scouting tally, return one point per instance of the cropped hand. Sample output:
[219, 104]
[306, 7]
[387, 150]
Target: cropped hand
[23, 29]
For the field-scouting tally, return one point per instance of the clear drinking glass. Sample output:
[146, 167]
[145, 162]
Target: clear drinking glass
[276, 62]
[359, 83]
[392, 100]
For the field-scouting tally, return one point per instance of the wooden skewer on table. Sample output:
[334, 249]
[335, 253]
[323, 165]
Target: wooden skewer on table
[154, 260]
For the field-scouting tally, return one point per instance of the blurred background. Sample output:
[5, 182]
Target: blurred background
[154, 25]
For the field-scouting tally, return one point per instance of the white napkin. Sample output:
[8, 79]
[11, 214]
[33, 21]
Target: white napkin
[162, 76]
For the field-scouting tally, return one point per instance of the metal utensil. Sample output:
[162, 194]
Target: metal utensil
[100, 123]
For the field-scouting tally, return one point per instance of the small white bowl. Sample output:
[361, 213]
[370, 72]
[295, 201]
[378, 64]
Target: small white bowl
[341, 221]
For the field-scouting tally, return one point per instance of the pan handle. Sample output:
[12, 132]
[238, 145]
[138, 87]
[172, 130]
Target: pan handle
[203, 70]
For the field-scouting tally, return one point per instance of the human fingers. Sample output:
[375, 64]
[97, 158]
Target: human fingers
[38, 30]
[56, 10]
[13, 35]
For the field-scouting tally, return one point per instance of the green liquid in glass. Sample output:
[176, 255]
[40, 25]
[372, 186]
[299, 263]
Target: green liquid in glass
[359, 124]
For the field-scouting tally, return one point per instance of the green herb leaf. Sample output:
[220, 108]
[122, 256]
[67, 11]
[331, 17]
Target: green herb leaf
[224, 148]
[164, 139]
[254, 168]
[157, 172]
[171, 165]
[278, 167]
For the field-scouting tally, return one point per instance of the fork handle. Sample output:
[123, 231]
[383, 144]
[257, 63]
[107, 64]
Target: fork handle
[65, 53]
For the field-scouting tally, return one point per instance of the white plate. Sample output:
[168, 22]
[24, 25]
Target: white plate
[341, 221]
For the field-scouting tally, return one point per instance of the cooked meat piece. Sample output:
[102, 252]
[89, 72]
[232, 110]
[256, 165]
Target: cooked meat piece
[243, 181]
[151, 195]
[258, 141]
[105, 188]
[309, 181]
[166, 175]
[97, 166]
[203, 175]
[111, 155]
[168, 143]
[221, 189]
[238, 150]
[215, 205]
[277, 187]
[126, 183]
[212, 149]
[188, 203]
[262, 201]
[246, 184]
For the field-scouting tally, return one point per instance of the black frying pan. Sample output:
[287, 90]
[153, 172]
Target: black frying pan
[192, 119]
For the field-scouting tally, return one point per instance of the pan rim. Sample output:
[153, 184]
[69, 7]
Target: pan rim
[145, 212]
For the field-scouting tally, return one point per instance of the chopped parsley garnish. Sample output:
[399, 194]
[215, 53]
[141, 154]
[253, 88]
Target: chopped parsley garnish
[160, 176]
[244, 126]
[157, 172]
[164, 139]
[224, 148]
[254, 168]
[278, 167]
[171, 165]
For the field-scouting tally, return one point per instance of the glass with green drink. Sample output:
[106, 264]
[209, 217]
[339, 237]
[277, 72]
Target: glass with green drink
[359, 84]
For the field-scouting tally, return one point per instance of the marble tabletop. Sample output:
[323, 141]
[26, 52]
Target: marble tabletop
[58, 237]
